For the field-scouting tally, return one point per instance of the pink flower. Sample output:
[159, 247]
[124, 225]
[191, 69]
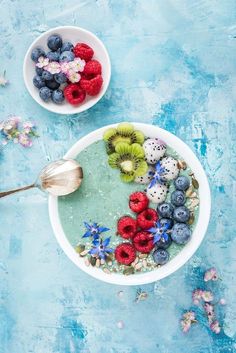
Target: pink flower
[222, 301]
[207, 296]
[28, 126]
[188, 319]
[73, 76]
[209, 309]
[42, 62]
[215, 327]
[53, 67]
[185, 325]
[189, 315]
[77, 64]
[65, 67]
[211, 275]
[24, 140]
[197, 296]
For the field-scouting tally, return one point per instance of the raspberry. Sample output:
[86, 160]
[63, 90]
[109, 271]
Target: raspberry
[138, 202]
[147, 218]
[93, 86]
[143, 242]
[83, 51]
[74, 94]
[125, 253]
[91, 69]
[126, 227]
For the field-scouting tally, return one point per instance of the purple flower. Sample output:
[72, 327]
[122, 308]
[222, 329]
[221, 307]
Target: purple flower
[100, 248]
[24, 140]
[159, 232]
[157, 176]
[215, 327]
[94, 230]
[211, 275]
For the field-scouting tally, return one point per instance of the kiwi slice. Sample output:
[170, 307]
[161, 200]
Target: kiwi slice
[129, 159]
[124, 133]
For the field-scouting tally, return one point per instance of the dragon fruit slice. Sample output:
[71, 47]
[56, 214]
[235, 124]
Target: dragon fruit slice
[154, 149]
[157, 193]
[171, 168]
[146, 178]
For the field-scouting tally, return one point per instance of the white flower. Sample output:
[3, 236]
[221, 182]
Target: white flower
[53, 67]
[42, 62]
[73, 76]
[79, 64]
[65, 67]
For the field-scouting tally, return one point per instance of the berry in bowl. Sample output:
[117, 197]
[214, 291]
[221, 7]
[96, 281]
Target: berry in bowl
[142, 209]
[67, 70]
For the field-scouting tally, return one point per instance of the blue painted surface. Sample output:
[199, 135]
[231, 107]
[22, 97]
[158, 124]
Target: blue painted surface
[173, 65]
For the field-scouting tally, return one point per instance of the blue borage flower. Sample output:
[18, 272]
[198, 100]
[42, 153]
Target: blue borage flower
[159, 231]
[157, 176]
[93, 230]
[100, 248]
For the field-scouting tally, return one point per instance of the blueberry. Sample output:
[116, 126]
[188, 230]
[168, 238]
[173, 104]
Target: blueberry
[54, 42]
[178, 198]
[167, 223]
[38, 81]
[45, 94]
[67, 46]
[52, 84]
[181, 214]
[39, 70]
[47, 76]
[53, 55]
[67, 56]
[58, 96]
[180, 233]
[164, 243]
[160, 256]
[36, 53]
[165, 210]
[182, 183]
[60, 78]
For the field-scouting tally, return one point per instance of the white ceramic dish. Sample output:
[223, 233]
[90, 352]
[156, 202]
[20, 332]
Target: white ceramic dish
[74, 35]
[189, 249]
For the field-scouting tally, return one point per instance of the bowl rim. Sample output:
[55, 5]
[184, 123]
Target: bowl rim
[90, 103]
[187, 251]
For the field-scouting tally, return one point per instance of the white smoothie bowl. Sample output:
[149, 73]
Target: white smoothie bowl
[188, 250]
[74, 35]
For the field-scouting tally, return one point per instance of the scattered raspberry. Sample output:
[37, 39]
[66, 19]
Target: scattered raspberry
[74, 94]
[147, 218]
[138, 202]
[92, 69]
[93, 86]
[126, 227]
[83, 51]
[143, 242]
[125, 253]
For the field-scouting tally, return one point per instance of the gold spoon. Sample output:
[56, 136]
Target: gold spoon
[59, 178]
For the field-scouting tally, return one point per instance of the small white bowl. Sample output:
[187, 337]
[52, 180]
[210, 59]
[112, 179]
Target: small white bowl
[188, 250]
[74, 35]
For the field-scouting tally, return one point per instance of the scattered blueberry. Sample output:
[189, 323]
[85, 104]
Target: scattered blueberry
[58, 96]
[39, 70]
[45, 94]
[52, 84]
[166, 222]
[54, 42]
[38, 81]
[164, 243]
[180, 233]
[182, 183]
[67, 46]
[60, 78]
[47, 76]
[181, 214]
[165, 210]
[178, 198]
[53, 56]
[36, 53]
[160, 256]
[67, 56]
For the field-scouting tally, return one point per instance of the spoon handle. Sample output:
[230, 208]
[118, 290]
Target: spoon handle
[9, 192]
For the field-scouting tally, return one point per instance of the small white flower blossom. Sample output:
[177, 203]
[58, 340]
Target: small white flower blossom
[73, 76]
[77, 65]
[42, 62]
[207, 296]
[53, 67]
[65, 67]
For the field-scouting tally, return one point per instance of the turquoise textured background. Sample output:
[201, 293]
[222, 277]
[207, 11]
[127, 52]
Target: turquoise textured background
[173, 65]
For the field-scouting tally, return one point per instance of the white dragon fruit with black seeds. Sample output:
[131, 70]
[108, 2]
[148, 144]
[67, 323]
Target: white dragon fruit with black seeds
[171, 168]
[146, 178]
[154, 149]
[157, 193]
